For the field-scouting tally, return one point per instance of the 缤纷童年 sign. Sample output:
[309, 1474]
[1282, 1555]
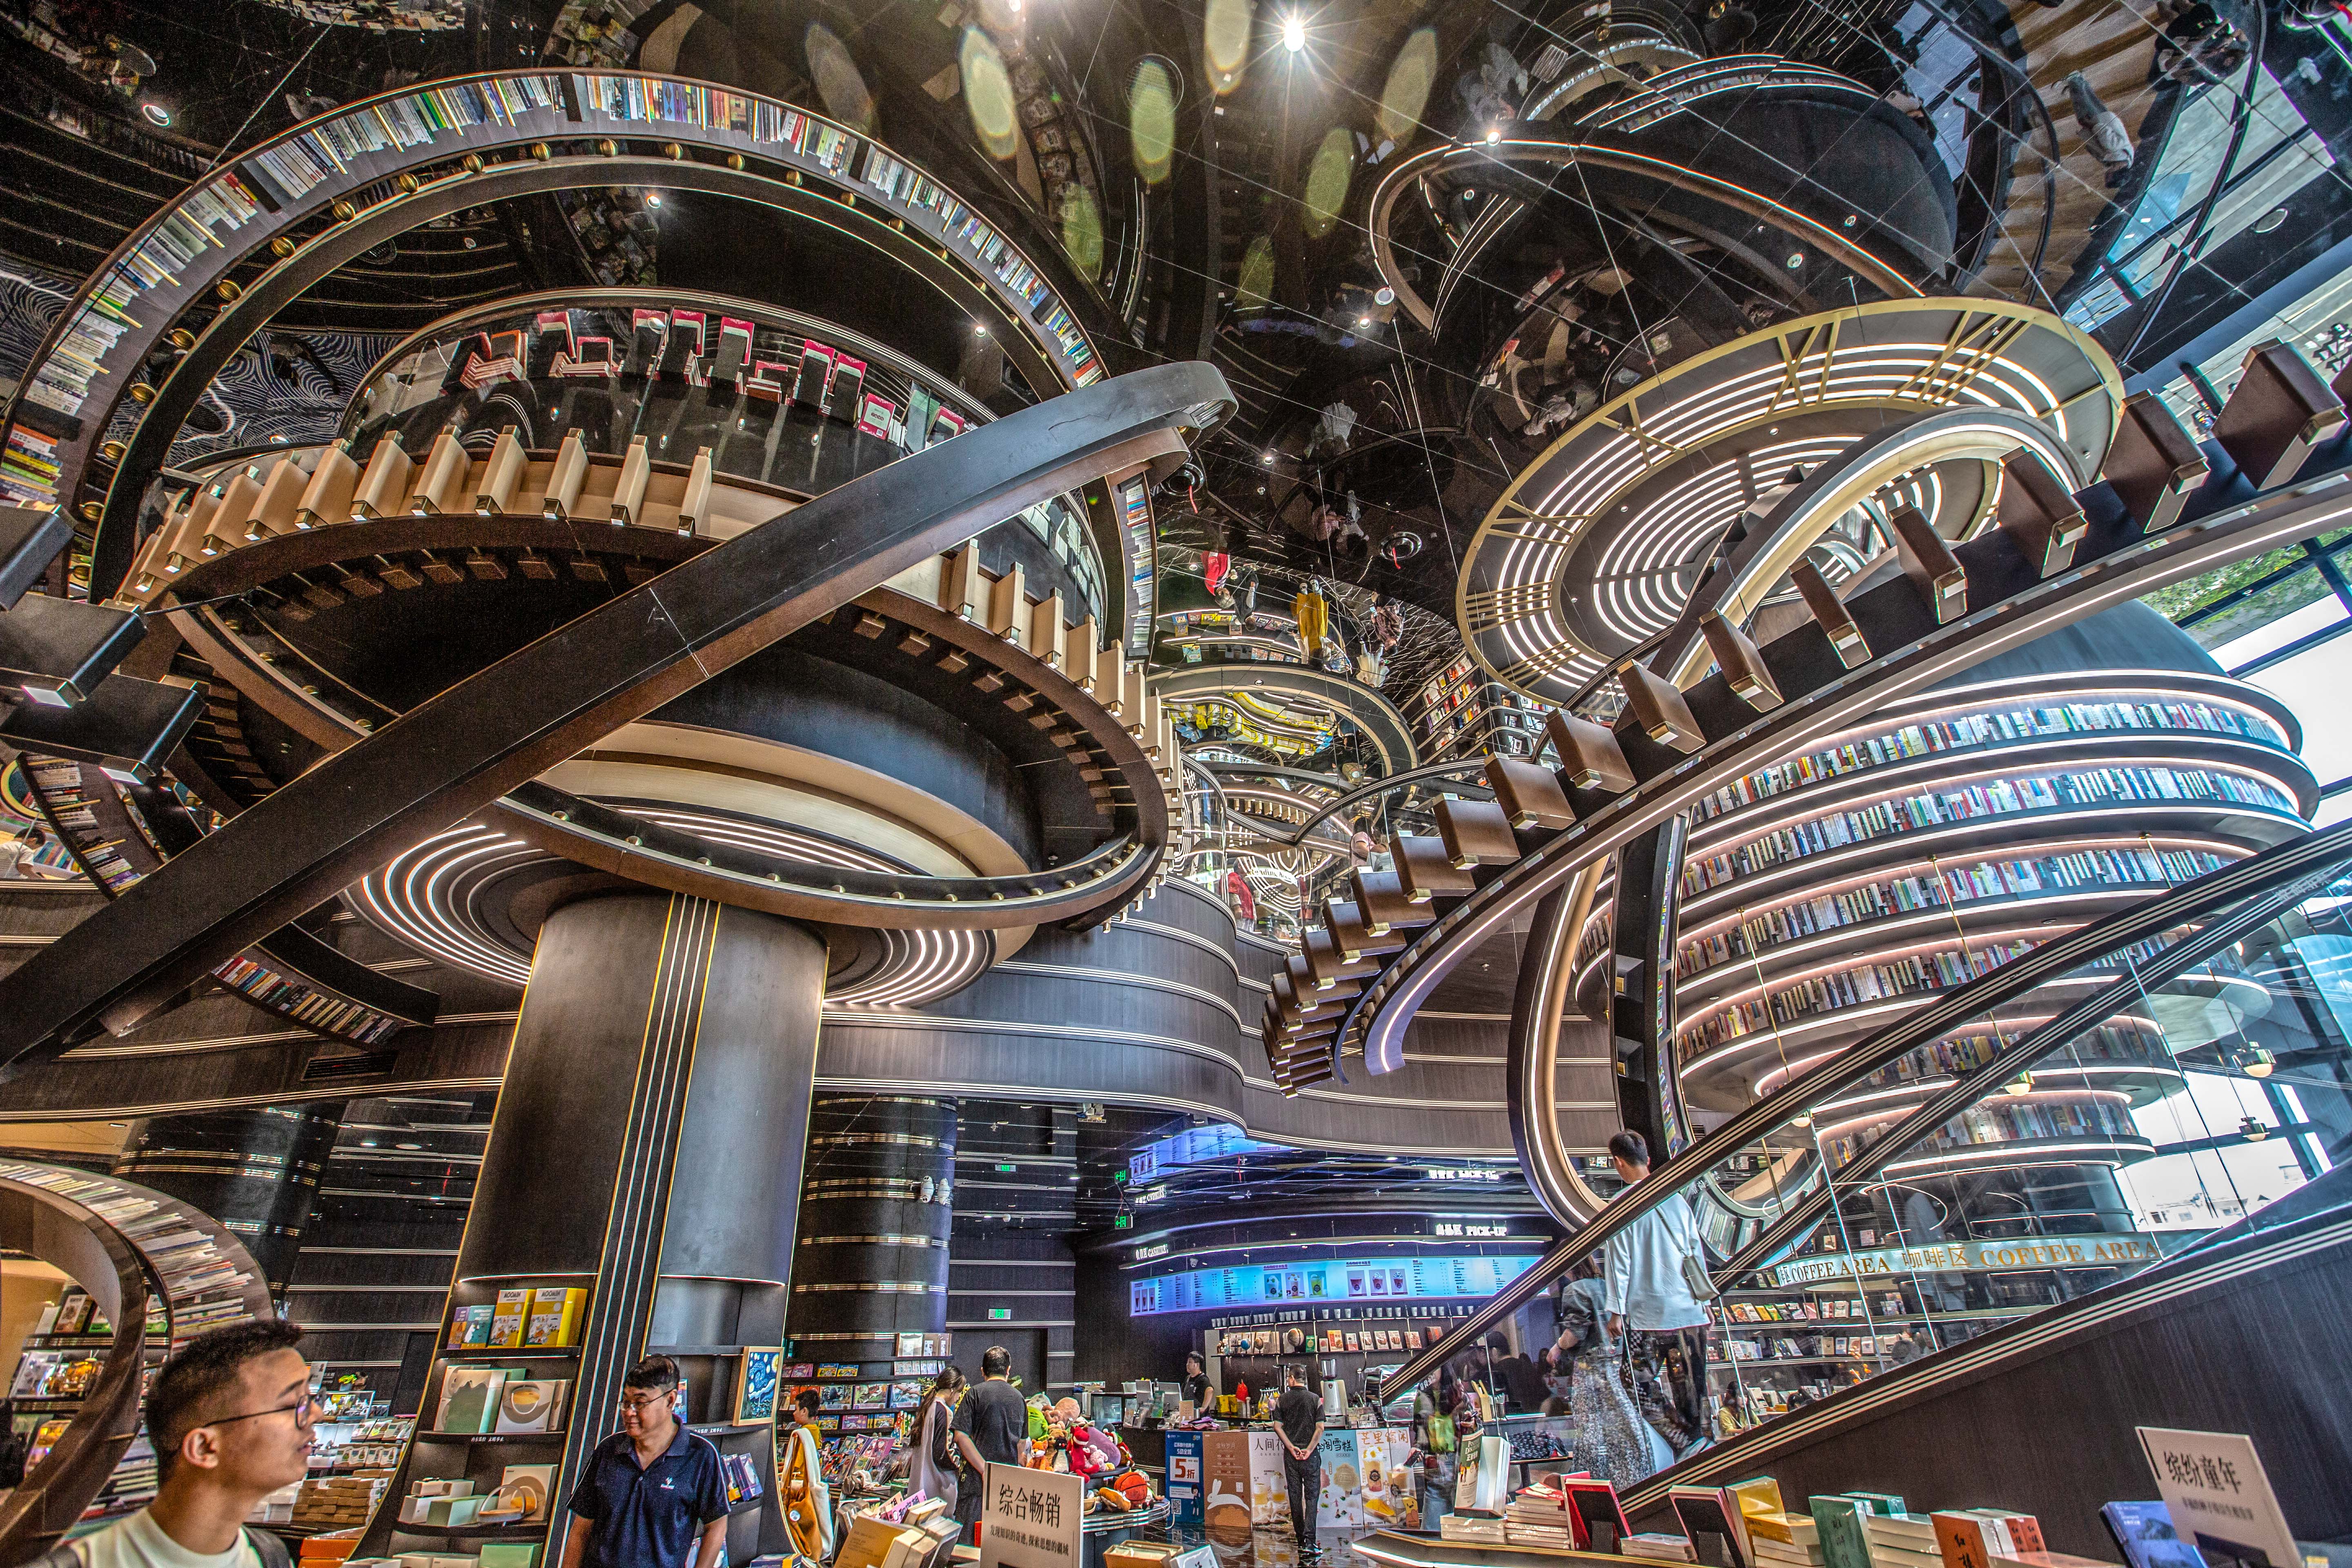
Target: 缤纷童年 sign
[2022, 1252]
[1031, 1518]
[2214, 1487]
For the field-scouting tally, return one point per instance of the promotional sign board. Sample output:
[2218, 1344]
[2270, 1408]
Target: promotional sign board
[2214, 1487]
[1032, 1519]
[1341, 1506]
[1225, 1473]
[1269, 1493]
[1184, 1488]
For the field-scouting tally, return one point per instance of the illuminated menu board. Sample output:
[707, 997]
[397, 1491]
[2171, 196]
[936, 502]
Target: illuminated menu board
[1351, 1281]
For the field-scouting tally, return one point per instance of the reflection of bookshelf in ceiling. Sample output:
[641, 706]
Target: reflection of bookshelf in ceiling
[157, 275]
[115, 846]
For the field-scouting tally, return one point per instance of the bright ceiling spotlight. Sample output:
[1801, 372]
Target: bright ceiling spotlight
[1494, 134]
[2259, 1061]
[1363, 321]
[1294, 32]
[653, 198]
[979, 328]
[155, 112]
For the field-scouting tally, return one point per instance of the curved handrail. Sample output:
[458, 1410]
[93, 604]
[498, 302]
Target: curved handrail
[2283, 864]
[1565, 154]
[1373, 715]
[459, 750]
[1379, 786]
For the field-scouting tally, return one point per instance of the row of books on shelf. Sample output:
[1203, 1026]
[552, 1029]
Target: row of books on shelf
[1809, 1309]
[302, 1001]
[1914, 974]
[203, 1286]
[2214, 1479]
[482, 1399]
[185, 231]
[525, 1316]
[1964, 803]
[2100, 868]
[1975, 730]
[131, 1486]
[1745, 1525]
[1806, 1347]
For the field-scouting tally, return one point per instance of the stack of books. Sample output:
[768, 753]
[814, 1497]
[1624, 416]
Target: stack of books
[1471, 1527]
[1901, 1540]
[1784, 1540]
[1538, 1517]
[1659, 1548]
[333, 1502]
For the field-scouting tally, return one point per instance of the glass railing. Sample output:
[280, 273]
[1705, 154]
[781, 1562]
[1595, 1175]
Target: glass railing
[1295, 839]
[2123, 1094]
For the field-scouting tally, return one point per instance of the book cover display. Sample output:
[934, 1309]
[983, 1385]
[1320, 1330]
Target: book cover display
[469, 1397]
[758, 1377]
[531, 1404]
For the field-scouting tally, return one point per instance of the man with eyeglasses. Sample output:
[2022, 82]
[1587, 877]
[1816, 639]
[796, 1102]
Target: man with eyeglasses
[230, 1417]
[655, 1495]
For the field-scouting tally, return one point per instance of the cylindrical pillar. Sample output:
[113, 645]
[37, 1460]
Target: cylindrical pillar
[875, 1212]
[255, 1171]
[647, 1148]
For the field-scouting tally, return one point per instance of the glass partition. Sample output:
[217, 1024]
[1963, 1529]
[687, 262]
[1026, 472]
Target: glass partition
[1970, 1170]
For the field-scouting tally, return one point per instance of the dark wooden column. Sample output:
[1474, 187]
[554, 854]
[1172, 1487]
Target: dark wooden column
[648, 1146]
[874, 1217]
[255, 1171]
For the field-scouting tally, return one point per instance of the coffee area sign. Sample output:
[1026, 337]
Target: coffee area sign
[2021, 1252]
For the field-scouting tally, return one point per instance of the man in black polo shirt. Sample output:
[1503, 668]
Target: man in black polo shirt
[1299, 1416]
[652, 1489]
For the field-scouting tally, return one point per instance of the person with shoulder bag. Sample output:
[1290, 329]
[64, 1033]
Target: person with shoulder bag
[230, 1416]
[937, 1469]
[1655, 1290]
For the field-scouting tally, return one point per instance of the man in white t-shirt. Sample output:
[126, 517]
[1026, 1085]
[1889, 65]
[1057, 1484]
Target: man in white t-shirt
[1649, 1302]
[230, 1416]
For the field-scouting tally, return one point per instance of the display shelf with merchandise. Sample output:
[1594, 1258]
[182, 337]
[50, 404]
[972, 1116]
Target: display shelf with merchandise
[457, 1439]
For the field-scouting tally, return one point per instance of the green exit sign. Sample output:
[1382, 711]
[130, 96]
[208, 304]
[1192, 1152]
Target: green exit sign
[1008, 1167]
[1119, 1176]
[1124, 1222]
[998, 1314]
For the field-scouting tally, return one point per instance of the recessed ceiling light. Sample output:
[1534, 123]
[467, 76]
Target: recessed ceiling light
[1494, 134]
[1294, 33]
[653, 198]
[2270, 220]
[155, 112]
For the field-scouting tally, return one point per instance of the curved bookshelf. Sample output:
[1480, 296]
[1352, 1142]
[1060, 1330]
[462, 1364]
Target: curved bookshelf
[99, 1232]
